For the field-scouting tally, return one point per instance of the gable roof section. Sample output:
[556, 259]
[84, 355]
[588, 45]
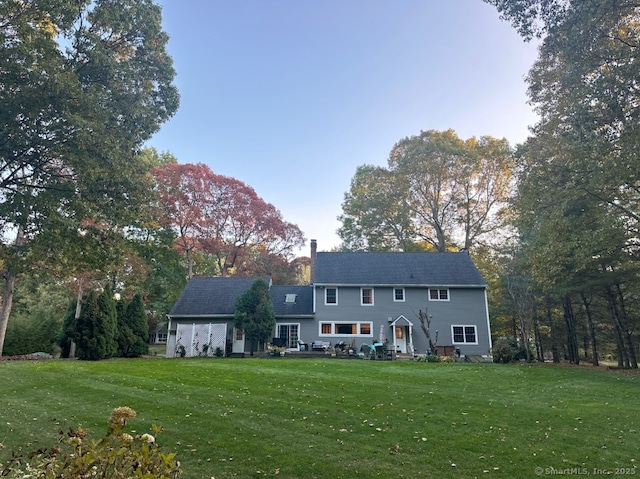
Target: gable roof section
[206, 296]
[397, 269]
[303, 305]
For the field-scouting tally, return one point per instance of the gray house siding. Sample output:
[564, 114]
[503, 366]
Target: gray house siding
[374, 295]
[464, 308]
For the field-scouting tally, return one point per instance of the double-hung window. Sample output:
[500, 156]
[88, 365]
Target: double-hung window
[398, 294]
[438, 294]
[464, 334]
[366, 295]
[331, 296]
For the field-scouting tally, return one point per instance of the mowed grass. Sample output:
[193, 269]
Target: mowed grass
[328, 418]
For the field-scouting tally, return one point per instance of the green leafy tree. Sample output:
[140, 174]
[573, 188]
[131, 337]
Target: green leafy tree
[438, 192]
[578, 192]
[39, 305]
[84, 85]
[254, 313]
[375, 216]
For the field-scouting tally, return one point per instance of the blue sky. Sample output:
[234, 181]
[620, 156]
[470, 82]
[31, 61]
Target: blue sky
[290, 96]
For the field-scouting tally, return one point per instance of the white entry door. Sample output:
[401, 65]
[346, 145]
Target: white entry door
[401, 338]
[238, 340]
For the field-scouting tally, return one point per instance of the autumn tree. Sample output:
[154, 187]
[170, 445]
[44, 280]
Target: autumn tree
[221, 218]
[84, 85]
[254, 313]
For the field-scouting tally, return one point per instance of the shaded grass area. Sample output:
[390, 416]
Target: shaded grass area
[323, 418]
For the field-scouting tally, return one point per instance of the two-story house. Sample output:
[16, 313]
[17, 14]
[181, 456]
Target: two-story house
[372, 296]
[356, 298]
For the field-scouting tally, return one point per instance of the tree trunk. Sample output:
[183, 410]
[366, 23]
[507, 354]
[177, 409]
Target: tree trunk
[592, 330]
[623, 358]
[7, 302]
[72, 346]
[554, 342]
[7, 295]
[538, 338]
[572, 338]
[618, 313]
[628, 336]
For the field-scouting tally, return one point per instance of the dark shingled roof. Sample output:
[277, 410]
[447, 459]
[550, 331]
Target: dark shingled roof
[206, 296]
[401, 269]
[303, 300]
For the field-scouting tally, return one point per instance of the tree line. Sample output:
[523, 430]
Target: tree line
[86, 211]
[553, 222]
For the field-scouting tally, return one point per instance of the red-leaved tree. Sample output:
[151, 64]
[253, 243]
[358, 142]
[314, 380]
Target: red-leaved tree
[221, 218]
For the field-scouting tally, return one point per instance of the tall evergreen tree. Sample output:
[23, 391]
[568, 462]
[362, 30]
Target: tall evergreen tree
[254, 313]
[136, 320]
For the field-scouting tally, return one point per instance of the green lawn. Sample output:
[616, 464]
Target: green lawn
[328, 418]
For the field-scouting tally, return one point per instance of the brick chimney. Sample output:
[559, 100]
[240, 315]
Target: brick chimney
[314, 250]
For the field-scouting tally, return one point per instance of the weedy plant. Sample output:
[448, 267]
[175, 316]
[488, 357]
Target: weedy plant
[118, 455]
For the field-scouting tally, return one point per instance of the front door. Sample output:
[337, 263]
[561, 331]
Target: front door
[401, 338]
[238, 340]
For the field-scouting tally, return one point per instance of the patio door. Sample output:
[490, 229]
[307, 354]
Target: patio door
[238, 340]
[289, 334]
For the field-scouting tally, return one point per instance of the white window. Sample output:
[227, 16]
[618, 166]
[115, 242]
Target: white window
[339, 328]
[438, 294]
[366, 296]
[464, 335]
[398, 294]
[331, 296]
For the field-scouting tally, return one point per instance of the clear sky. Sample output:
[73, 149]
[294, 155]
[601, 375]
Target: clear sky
[290, 96]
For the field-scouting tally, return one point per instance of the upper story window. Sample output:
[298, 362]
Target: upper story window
[464, 334]
[438, 294]
[366, 295]
[398, 294]
[331, 296]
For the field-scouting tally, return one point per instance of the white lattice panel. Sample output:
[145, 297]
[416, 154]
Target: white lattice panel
[200, 339]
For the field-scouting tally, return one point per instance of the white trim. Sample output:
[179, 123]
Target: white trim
[325, 296]
[486, 307]
[439, 290]
[475, 328]
[402, 316]
[334, 333]
[362, 303]
[404, 294]
[277, 332]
